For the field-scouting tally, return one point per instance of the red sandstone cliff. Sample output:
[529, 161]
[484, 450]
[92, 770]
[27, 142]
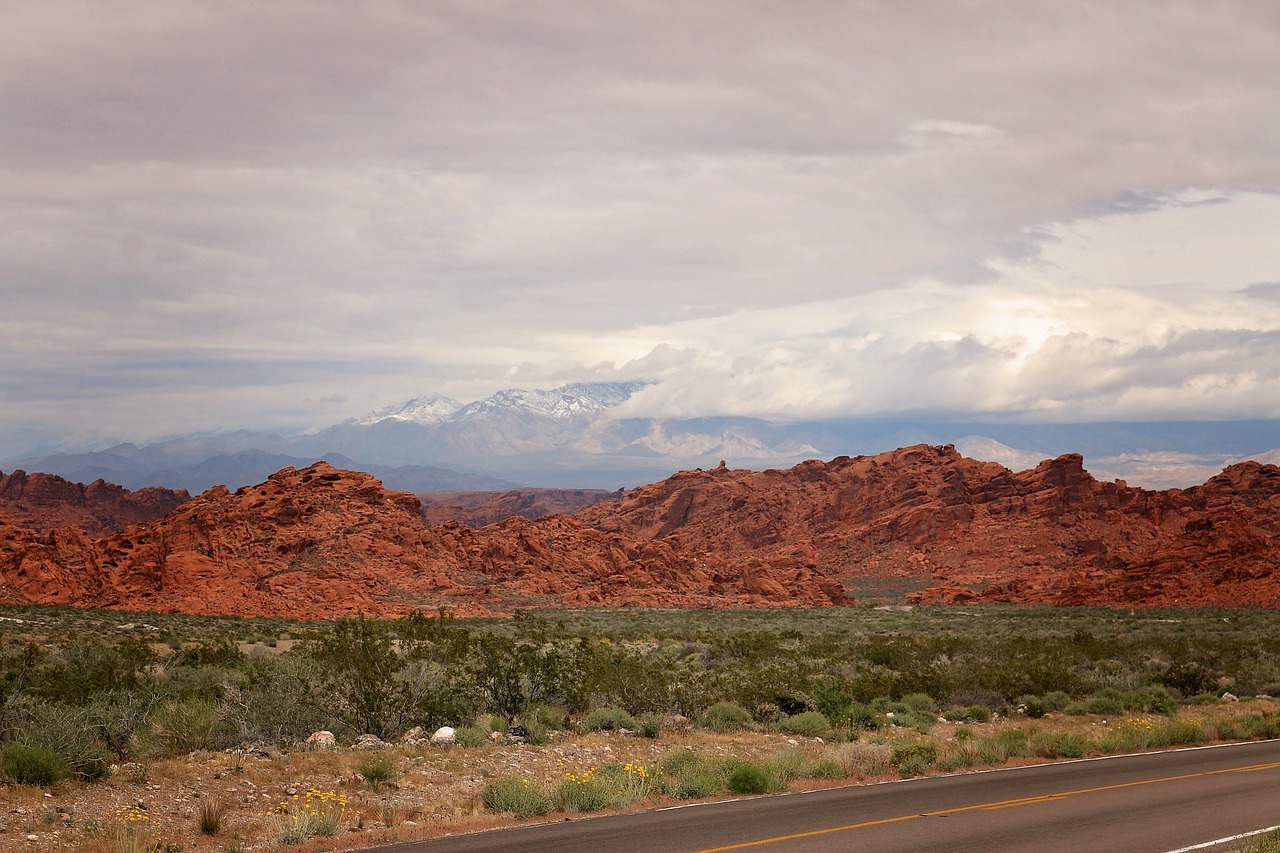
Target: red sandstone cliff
[322, 542]
[477, 509]
[45, 502]
[964, 530]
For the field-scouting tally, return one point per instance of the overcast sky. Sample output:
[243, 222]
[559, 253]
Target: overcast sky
[237, 214]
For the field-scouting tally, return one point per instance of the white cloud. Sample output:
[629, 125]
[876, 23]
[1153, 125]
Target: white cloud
[296, 213]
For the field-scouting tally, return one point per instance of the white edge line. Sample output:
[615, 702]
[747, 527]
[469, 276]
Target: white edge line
[1226, 840]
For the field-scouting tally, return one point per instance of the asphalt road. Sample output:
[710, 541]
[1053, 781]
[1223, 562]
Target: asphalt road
[1149, 803]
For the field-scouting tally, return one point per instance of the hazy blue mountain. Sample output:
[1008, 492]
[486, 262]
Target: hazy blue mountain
[568, 437]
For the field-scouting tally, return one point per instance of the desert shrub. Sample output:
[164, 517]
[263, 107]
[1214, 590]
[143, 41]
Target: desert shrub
[1105, 701]
[748, 778]
[210, 814]
[649, 725]
[583, 792]
[902, 716]
[608, 719]
[632, 782]
[865, 717]
[1133, 733]
[826, 768]
[783, 766]
[1076, 709]
[1032, 705]
[970, 714]
[1055, 700]
[533, 730]
[470, 736]
[914, 757]
[1177, 732]
[690, 776]
[518, 797]
[317, 813]
[1155, 699]
[922, 702]
[1014, 743]
[1059, 745]
[33, 765]
[179, 727]
[377, 770]
[726, 717]
[859, 759]
[991, 699]
[116, 717]
[66, 732]
[808, 724]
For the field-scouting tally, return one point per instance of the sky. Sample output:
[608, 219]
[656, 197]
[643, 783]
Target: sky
[223, 215]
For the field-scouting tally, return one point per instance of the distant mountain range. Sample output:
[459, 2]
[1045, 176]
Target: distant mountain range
[569, 437]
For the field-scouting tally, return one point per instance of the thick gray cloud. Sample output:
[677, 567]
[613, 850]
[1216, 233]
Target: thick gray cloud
[233, 214]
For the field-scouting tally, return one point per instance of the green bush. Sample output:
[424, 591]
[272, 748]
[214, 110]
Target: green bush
[585, 793]
[470, 736]
[608, 719]
[808, 724]
[378, 769]
[66, 732]
[1155, 699]
[33, 765]
[180, 727]
[1106, 701]
[1059, 745]
[914, 757]
[649, 725]
[865, 717]
[519, 797]
[690, 776]
[726, 717]
[748, 779]
[1014, 743]
[922, 702]
[826, 768]
[970, 714]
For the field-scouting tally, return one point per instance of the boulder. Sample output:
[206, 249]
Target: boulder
[321, 740]
[444, 736]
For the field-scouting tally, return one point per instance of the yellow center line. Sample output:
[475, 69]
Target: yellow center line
[1002, 804]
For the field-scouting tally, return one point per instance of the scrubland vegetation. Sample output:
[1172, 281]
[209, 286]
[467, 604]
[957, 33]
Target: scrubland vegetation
[845, 694]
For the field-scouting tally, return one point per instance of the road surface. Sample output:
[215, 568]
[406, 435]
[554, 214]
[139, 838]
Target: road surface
[1149, 803]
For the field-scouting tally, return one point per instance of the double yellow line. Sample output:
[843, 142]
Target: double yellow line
[1001, 804]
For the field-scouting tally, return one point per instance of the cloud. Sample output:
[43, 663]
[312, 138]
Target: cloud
[830, 208]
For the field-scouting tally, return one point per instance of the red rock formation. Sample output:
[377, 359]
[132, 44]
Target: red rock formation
[44, 502]
[321, 542]
[962, 530]
[476, 509]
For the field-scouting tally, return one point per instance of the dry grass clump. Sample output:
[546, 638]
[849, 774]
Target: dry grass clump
[862, 760]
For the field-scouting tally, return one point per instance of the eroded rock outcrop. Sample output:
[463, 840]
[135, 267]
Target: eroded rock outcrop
[320, 542]
[477, 509]
[45, 502]
[963, 530]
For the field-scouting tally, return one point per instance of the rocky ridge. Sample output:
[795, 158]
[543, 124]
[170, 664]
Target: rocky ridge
[477, 509]
[321, 542]
[961, 530]
[45, 502]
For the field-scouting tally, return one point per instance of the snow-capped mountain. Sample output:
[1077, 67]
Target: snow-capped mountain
[430, 409]
[576, 401]
[573, 437]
